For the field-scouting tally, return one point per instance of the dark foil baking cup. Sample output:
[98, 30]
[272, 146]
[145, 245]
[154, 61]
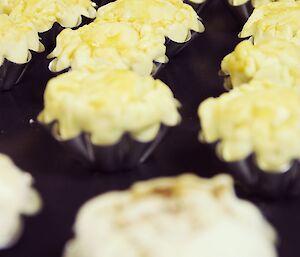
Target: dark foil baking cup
[57, 73]
[227, 83]
[126, 154]
[102, 2]
[157, 68]
[174, 48]
[241, 12]
[268, 184]
[254, 181]
[48, 38]
[11, 74]
[197, 7]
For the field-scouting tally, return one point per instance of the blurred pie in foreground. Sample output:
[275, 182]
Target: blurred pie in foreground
[172, 217]
[17, 197]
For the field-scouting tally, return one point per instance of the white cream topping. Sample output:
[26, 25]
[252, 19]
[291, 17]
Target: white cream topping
[17, 197]
[44, 13]
[274, 20]
[260, 119]
[272, 61]
[118, 45]
[172, 18]
[174, 217]
[16, 39]
[107, 103]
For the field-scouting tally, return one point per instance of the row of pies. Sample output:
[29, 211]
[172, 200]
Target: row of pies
[108, 99]
[260, 115]
[22, 21]
[108, 94]
[128, 34]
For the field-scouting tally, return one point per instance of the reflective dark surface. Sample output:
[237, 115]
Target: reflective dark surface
[65, 184]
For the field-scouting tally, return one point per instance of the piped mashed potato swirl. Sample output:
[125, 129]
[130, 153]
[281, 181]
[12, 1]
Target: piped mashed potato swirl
[272, 61]
[118, 45]
[172, 18]
[6, 6]
[17, 197]
[259, 119]
[42, 14]
[274, 20]
[182, 216]
[16, 40]
[106, 103]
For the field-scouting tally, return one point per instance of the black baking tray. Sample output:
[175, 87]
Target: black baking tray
[65, 183]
